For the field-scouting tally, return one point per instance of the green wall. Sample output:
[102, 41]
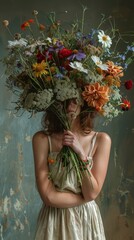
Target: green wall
[19, 200]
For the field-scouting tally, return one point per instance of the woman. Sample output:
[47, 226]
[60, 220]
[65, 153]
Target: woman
[69, 211]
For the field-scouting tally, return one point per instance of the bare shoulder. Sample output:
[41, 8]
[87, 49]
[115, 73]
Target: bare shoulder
[39, 137]
[103, 138]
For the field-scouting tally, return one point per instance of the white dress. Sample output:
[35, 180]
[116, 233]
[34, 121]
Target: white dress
[77, 223]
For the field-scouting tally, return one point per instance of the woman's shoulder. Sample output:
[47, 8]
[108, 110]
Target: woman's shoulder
[40, 135]
[103, 137]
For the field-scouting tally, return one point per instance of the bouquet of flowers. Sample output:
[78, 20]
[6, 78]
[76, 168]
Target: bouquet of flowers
[57, 64]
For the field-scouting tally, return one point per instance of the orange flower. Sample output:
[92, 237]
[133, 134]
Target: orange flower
[96, 95]
[48, 78]
[26, 24]
[110, 80]
[51, 161]
[41, 27]
[114, 70]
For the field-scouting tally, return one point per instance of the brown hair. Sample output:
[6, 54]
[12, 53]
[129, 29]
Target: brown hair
[51, 123]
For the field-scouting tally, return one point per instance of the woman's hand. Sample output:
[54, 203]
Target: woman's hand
[71, 140]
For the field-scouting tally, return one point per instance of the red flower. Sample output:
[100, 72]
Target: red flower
[128, 84]
[31, 20]
[64, 53]
[26, 24]
[66, 65]
[125, 105]
[43, 56]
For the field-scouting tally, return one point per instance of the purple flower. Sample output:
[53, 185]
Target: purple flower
[56, 47]
[77, 55]
[59, 75]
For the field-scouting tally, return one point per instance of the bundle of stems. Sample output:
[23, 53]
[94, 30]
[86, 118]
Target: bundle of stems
[67, 156]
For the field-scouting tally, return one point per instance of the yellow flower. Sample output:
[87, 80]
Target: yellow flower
[96, 95]
[40, 68]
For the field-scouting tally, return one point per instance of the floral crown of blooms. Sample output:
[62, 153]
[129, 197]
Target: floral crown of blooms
[61, 64]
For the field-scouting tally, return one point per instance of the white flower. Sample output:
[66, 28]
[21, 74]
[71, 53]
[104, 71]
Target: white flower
[49, 39]
[99, 63]
[104, 39]
[110, 111]
[17, 205]
[22, 42]
[116, 95]
[33, 46]
[78, 66]
[44, 99]
[65, 89]
[93, 77]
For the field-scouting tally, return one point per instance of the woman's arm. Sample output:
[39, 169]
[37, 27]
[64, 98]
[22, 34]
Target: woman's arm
[92, 185]
[47, 191]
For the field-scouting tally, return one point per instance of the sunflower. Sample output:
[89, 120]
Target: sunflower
[96, 95]
[40, 69]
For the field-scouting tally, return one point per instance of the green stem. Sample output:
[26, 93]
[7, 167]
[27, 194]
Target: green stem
[83, 18]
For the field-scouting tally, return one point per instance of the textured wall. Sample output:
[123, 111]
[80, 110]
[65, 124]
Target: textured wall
[19, 201]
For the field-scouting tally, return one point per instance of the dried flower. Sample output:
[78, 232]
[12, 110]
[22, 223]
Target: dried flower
[42, 27]
[5, 23]
[17, 36]
[35, 12]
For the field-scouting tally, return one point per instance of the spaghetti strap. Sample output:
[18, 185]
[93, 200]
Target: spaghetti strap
[50, 144]
[92, 144]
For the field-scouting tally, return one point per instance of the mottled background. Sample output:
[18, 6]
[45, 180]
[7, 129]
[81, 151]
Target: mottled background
[19, 200]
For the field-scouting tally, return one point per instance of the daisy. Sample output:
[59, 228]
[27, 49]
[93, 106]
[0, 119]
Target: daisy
[99, 63]
[104, 39]
[78, 66]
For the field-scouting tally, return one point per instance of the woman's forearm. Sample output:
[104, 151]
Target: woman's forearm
[54, 198]
[64, 199]
[90, 187]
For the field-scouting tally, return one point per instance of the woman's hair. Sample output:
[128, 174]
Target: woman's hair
[51, 123]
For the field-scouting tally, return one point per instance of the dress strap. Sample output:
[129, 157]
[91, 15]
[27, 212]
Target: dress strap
[50, 144]
[93, 140]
